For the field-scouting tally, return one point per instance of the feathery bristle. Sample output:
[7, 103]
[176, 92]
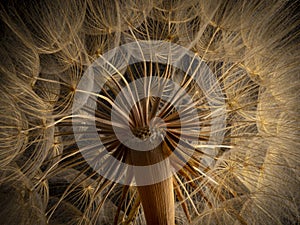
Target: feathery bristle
[244, 55]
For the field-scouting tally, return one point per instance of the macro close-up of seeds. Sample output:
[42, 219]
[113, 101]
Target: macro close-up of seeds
[150, 112]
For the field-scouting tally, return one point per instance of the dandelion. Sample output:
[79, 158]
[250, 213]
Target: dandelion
[155, 106]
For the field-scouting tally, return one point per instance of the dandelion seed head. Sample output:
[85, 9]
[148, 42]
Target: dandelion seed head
[209, 137]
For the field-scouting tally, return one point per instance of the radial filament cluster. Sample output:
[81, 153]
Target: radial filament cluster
[159, 112]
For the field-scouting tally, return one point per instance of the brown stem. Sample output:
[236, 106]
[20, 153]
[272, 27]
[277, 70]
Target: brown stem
[157, 198]
[158, 203]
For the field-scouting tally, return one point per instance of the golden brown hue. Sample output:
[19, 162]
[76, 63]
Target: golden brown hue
[251, 46]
